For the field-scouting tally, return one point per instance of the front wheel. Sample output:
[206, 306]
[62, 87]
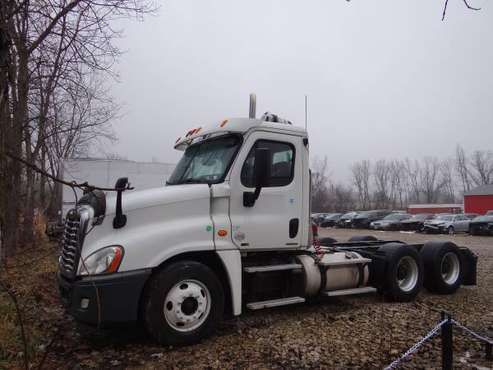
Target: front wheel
[183, 303]
[451, 230]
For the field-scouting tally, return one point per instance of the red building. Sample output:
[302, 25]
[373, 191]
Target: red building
[434, 208]
[479, 200]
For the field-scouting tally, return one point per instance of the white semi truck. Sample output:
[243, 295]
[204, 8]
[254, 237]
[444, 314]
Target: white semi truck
[229, 232]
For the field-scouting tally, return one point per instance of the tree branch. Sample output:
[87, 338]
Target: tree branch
[465, 3]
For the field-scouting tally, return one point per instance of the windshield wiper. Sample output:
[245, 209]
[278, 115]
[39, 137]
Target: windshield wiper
[188, 181]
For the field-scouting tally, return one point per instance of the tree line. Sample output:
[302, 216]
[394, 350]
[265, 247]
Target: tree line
[395, 183]
[55, 59]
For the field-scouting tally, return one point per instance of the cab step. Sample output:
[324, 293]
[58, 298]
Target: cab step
[268, 268]
[362, 290]
[275, 303]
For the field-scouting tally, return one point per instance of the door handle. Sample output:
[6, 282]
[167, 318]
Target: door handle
[294, 224]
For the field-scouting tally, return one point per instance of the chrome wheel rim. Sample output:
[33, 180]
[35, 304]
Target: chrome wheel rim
[450, 268]
[187, 305]
[407, 273]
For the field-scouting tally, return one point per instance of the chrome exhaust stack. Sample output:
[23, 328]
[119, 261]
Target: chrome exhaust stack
[253, 106]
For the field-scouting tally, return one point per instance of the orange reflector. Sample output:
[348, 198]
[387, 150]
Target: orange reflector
[223, 123]
[116, 260]
[222, 232]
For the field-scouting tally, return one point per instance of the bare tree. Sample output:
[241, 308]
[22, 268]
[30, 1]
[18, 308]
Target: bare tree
[398, 181]
[466, 3]
[341, 198]
[461, 167]
[361, 180]
[381, 177]
[481, 167]
[49, 50]
[413, 171]
[320, 185]
[447, 180]
[431, 183]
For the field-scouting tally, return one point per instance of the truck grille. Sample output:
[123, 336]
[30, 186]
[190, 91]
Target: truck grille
[73, 237]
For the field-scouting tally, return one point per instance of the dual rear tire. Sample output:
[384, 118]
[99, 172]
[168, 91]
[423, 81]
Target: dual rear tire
[437, 266]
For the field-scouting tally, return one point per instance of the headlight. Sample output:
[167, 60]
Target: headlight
[103, 261]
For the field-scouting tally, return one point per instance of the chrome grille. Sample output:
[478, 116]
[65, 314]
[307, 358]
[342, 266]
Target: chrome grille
[73, 237]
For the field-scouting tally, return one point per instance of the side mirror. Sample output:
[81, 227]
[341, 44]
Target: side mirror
[261, 168]
[261, 174]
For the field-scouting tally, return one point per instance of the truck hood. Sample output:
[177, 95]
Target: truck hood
[132, 200]
[157, 221]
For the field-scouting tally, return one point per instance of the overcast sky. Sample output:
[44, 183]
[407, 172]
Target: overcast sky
[384, 78]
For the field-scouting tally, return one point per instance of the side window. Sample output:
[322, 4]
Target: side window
[282, 169]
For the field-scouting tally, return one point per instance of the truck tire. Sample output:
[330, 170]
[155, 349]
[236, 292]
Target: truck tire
[443, 266]
[363, 238]
[403, 278]
[327, 241]
[183, 303]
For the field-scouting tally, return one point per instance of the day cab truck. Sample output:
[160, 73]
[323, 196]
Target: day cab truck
[230, 232]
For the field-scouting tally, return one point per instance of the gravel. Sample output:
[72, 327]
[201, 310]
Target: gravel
[363, 332]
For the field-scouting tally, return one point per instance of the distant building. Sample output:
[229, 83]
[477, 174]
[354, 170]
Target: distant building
[105, 172]
[434, 208]
[479, 200]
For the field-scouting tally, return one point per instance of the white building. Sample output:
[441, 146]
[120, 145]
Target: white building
[105, 172]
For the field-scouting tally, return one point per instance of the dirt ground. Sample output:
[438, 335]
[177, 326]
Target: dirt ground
[363, 332]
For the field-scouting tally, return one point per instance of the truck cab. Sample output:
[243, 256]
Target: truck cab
[230, 231]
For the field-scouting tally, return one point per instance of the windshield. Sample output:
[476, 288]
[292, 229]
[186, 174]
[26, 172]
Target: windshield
[349, 215]
[206, 162]
[420, 217]
[485, 218]
[396, 217]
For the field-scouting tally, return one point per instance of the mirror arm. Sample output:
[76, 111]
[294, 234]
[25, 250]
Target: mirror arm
[250, 197]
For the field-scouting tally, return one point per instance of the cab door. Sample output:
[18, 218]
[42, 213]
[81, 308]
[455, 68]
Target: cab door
[274, 221]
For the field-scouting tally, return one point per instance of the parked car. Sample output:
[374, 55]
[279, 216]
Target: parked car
[364, 219]
[330, 220]
[346, 219]
[390, 222]
[459, 224]
[319, 217]
[415, 223]
[482, 225]
[440, 223]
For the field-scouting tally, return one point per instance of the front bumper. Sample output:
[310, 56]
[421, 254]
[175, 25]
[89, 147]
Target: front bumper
[103, 299]
[436, 229]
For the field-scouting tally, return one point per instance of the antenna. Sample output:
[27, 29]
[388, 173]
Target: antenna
[253, 106]
[306, 112]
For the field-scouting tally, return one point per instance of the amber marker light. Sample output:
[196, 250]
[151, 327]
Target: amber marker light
[222, 232]
[113, 267]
